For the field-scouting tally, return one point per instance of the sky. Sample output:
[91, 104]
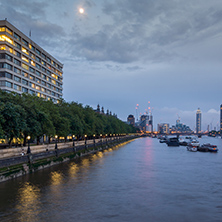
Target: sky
[120, 53]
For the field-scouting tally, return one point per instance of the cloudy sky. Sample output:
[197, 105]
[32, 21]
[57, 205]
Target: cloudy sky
[120, 53]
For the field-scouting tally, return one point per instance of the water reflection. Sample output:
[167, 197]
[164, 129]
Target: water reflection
[56, 178]
[73, 168]
[28, 205]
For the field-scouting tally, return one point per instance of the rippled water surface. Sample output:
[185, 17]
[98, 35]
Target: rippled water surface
[142, 181]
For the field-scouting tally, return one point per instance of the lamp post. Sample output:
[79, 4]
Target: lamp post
[85, 141]
[28, 150]
[73, 138]
[106, 139]
[56, 142]
[94, 141]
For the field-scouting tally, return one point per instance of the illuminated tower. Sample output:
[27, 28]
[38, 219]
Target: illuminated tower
[198, 121]
[221, 120]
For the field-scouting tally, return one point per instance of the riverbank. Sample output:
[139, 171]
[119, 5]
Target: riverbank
[14, 164]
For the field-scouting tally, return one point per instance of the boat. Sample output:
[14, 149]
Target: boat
[173, 142]
[192, 148]
[193, 145]
[210, 147]
[163, 140]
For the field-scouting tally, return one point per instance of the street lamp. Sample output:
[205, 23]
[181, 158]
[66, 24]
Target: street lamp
[94, 141]
[56, 142]
[85, 141]
[73, 138]
[28, 150]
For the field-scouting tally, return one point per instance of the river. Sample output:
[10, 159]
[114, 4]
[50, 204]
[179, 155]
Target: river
[141, 181]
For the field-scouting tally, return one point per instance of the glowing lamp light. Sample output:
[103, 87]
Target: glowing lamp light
[28, 137]
[56, 136]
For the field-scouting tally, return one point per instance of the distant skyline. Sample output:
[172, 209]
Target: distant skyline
[119, 53]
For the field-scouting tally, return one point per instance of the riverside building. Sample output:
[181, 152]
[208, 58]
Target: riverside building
[198, 121]
[221, 120]
[27, 68]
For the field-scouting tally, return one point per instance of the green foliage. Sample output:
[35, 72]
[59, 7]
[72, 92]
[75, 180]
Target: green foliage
[23, 115]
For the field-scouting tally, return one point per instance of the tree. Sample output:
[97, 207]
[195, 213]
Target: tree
[14, 121]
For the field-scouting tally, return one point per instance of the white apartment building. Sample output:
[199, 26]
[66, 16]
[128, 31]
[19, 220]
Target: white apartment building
[27, 68]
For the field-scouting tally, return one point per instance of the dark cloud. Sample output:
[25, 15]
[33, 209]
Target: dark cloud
[148, 30]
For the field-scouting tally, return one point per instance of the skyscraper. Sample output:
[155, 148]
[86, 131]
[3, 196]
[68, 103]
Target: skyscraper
[221, 120]
[198, 121]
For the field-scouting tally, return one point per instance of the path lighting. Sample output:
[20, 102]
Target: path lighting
[28, 150]
[56, 142]
[101, 138]
[73, 138]
[94, 139]
[85, 139]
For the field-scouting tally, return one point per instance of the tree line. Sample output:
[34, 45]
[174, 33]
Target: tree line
[28, 115]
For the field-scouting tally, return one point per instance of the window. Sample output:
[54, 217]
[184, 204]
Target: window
[25, 66]
[43, 83]
[32, 55]
[6, 38]
[38, 87]
[43, 63]
[31, 77]
[38, 59]
[17, 36]
[25, 74]
[37, 80]
[25, 59]
[38, 73]
[43, 76]
[48, 72]
[53, 81]
[43, 56]
[48, 66]
[17, 79]
[5, 66]
[24, 90]
[48, 59]
[31, 47]
[9, 31]
[32, 92]
[5, 56]
[48, 85]
[25, 42]
[18, 54]
[43, 89]
[2, 29]
[25, 82]
[38, 66]
[32, 63]
[38, 52]
[43, 69]
[17, 70]
[25, 50]
[32, 85]
[16, 87]
[31, 69]
[6, 75]
[6, 48]
[17, 45]
[17, 62]
[6, 83]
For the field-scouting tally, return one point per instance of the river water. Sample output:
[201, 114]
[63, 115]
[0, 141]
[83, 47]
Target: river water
[141, 181]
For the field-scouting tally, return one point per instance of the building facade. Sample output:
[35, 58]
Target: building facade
[198, 121]
[221, 120]
[27, 68]
[163, 128]
[131, 120]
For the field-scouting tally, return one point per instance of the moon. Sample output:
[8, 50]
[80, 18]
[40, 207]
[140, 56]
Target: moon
[81, 10]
